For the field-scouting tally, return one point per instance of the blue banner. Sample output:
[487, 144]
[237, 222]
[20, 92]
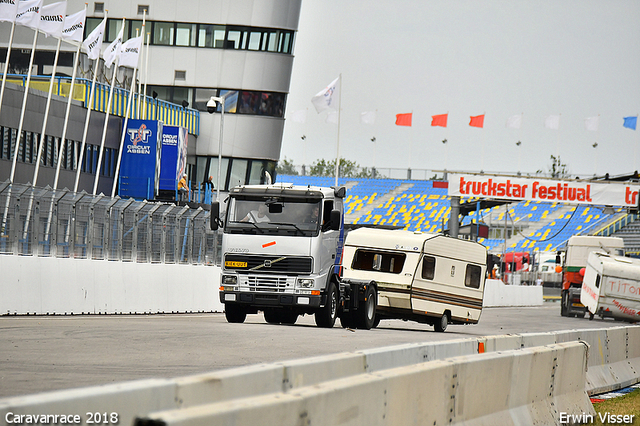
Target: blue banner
[140, 168]
[630, 122]
[174, 157]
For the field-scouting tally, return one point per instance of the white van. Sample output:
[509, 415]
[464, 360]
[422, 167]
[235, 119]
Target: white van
[611, 287]
[428, 278]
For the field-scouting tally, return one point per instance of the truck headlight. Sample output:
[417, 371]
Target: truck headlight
[305, 283]
[229, 279]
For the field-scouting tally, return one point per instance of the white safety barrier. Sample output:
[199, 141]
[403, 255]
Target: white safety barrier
[537, 386]
[34, 285]
[135, 399]
[57, 286]
[497, 293]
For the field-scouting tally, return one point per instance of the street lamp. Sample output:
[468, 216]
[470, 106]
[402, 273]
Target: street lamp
[211, 107]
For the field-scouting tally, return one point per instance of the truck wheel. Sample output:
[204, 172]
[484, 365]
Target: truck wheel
[272, 316]
[235, 313]
[366, 314]
[326, 316]
[376, 322]
[563, 304]
[441, 325]
[288, 317]
[347, 321]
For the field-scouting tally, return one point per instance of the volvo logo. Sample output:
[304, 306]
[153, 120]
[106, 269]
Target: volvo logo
[267, 264]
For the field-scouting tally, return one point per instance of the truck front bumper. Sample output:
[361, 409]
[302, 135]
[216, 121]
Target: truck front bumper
[270, 299]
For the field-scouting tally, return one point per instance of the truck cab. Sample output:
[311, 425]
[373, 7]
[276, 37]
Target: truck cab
[281, 253]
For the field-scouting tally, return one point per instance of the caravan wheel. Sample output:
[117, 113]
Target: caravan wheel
[441, 325]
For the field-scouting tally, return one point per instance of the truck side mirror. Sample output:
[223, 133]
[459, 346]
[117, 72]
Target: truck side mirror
[215, 221]
[558, 259]
[335, 220]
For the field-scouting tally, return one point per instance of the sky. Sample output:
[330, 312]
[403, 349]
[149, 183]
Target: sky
[574, 58]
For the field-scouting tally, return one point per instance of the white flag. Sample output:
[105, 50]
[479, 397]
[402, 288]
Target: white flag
[130, 51]
[552, 122]
[591, 123]
[332, 117]
[113, 50]
[29, 13]
[515, 121]
[93, 43]
[52, 19]
[368, 117]
[299, 116]
[8, 10]
[74, 26]
[327, 98]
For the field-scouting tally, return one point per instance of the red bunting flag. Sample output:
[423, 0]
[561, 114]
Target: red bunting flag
[477, 121]
[439, 120]
[403, 119]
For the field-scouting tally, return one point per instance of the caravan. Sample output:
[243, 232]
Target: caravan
[428, 278]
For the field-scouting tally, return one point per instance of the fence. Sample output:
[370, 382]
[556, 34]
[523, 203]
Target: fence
[65, 224]
[143, 106]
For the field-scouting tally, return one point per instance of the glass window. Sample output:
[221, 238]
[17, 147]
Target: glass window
[428, 267]
[113, 27]
[202, 96]
[472, 276]
[218, 36]
[205, 35]
[234, 37]
[163, 33]
[372, 260]
[254, 40]
[272, 43]
[186, 35]
[91, 24]
[208, 166]
[181, 94]
[231, 101]
[133, 29]
[238, 172]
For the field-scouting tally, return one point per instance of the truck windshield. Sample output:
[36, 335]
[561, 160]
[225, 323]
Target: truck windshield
[273, 216]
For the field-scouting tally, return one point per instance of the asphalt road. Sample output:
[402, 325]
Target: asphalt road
[52, 352]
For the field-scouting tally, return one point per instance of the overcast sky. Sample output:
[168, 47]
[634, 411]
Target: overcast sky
[573, 58]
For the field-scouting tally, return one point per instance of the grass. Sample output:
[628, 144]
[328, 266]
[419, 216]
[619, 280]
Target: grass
[628, 404]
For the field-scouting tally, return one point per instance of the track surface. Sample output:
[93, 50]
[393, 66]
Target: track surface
[49, 353]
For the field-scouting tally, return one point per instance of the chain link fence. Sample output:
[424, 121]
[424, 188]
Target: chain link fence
[61, 223]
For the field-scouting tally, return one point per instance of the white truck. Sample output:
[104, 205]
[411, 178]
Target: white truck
[611, 287]
[575, 259]
[281, 254]
[428, 278]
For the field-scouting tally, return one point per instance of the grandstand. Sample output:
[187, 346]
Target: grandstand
[419, 205]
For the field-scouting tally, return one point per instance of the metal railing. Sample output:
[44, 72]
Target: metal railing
[144, 106]
[42, 222]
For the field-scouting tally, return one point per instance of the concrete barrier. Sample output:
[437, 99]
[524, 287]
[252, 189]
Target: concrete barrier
[288, 377]
[54, 286]
[33, 285]
[496, 293]
[539, 385]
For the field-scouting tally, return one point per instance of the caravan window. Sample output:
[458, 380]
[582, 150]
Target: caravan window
[472, 277]
[372, 260]
[428, 267]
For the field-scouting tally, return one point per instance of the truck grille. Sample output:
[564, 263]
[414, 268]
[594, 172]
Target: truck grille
[293, 265]
[267, 283]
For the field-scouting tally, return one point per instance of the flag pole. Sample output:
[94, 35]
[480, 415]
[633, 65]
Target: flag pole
[124, 126]
[139, 91]
[107, 113]
[86, 123]
[24, 107]
[146, 76]
[66, 117]
[338, 141]
[6, 66]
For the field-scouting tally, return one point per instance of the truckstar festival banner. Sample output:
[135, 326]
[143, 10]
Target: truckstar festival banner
[536, 189]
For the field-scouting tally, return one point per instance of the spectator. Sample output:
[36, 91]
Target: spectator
[183, 190]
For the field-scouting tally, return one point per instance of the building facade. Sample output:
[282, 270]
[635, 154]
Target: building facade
[239, 49]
